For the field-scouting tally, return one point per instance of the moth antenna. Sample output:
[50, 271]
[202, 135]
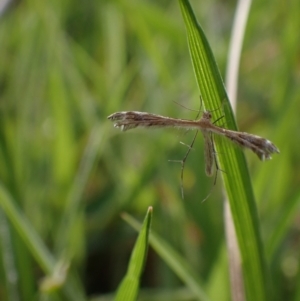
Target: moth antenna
[181, 105]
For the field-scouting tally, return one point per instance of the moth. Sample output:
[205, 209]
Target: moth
[262, 147]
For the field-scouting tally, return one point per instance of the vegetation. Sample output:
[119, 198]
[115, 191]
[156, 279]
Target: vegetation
[66, 174]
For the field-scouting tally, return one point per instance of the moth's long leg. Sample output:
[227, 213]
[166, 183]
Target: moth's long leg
[182, 162]
[190, 147]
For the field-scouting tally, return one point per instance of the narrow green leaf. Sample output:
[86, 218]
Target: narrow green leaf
[231, 159]
[129, 286]
[283, 226]
[176, 262]
[26, 231]
[34, 243]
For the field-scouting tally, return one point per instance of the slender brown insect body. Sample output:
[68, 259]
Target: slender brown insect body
[209, 153]
[263, 148]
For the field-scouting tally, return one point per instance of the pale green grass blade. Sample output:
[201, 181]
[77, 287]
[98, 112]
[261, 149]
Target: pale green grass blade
[33, 242]
[67, 236]
[38, 250]
[236, 180]
[129, 286]
[176, 262]
[281, 230]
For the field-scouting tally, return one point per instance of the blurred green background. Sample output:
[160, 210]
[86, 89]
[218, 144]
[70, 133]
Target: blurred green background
[67, 65]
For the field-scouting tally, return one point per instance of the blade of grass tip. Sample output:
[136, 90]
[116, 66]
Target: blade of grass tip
[176, 262]
[231, 159]
[129, 286]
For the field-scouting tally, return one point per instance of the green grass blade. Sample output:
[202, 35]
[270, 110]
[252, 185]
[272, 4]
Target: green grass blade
[231, 159]
[33, 242]
[129, 286]
[176, 262]
[283, 226]
[27, 233]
